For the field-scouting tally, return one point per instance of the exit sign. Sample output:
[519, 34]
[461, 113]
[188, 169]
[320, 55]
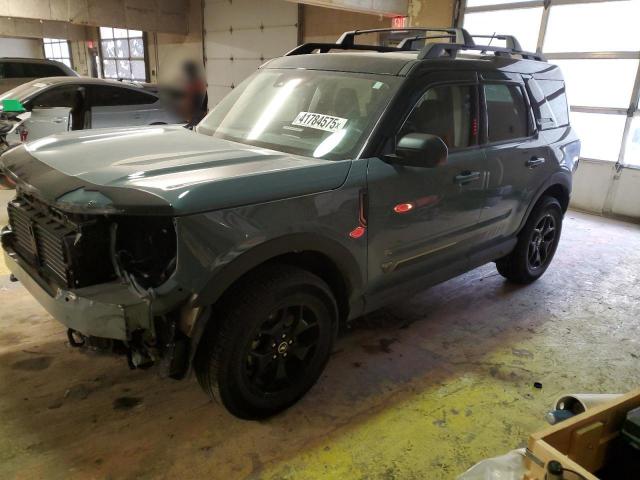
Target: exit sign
[398, 22]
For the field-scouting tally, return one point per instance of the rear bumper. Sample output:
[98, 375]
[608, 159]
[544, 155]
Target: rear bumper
[109, 310]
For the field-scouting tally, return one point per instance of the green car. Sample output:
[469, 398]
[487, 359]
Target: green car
[336, 179]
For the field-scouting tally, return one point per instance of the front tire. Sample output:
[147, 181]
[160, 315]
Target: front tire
[537, 244]
[268, 342]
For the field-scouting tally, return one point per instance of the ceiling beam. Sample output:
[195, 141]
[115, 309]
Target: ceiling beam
[167, 16]
[29, 28]
[388, 8]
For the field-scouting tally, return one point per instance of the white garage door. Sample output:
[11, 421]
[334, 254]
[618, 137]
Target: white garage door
[240, 35]
[596, 43]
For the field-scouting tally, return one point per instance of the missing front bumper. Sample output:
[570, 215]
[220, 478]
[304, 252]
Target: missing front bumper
[108, 310]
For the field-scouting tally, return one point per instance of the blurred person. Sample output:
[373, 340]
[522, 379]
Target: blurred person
[194, 104]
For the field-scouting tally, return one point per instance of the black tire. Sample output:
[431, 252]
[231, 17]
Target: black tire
[537, 244]
[268, 342]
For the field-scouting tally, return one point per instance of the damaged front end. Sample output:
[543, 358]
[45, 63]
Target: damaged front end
[108, 277]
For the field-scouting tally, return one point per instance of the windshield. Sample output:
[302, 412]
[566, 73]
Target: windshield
[23, 91]
[310, 113]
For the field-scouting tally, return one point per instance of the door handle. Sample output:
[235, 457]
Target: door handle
[534, 162]
[466, 176]
[58, 120]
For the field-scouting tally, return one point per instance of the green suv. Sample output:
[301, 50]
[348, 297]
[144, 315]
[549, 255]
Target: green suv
[333, 181]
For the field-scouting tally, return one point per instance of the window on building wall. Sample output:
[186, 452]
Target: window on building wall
[122, 54]
[598, 54]
[57, 49]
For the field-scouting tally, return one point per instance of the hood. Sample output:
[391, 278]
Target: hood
[171, 169]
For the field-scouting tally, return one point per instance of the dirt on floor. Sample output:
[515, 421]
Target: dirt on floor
[420, 390]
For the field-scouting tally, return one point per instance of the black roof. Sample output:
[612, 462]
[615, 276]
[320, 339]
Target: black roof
[401, 63]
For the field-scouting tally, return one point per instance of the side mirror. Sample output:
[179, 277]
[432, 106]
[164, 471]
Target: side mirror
[421, 150]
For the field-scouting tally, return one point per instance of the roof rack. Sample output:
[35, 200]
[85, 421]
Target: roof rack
[436, 50]
[347, 40]
[459, 39]
[460, 34]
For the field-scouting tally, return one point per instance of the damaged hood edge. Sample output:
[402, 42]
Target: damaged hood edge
[177, 173]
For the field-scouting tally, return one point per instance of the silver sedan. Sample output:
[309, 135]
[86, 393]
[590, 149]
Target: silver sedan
[59, 104]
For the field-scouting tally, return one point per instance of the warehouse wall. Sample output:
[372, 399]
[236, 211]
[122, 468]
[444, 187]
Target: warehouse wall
[389, 8]
[80, 57]
[21, 47]
[321, 24]
[241, 35]
[168, 52]
[432, 13]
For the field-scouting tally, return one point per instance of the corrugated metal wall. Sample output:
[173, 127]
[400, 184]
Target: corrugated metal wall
[240, 35]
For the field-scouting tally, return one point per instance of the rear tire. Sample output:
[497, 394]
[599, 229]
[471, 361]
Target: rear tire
[537, 244]
[269, 341]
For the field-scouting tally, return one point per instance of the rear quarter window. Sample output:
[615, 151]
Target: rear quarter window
[549, 101]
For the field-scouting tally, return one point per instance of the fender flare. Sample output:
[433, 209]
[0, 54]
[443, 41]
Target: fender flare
[293, 243]
[561, 178]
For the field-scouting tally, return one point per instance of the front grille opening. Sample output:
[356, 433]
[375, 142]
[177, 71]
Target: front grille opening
[75, 251]
[70, 251]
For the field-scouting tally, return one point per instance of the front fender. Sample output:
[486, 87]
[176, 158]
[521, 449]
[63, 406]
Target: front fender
[232, 272]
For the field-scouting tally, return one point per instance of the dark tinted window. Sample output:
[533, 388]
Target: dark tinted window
[39, 70]
[447, 111]
[549, 103]
[63, 96]
[29, 70]
[12, 70]
[506, 111]
[108, 96]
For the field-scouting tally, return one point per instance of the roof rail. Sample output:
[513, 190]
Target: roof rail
[459, 39]
[407, 43]
[347, 40]
[460, 34]
[306, 48]
[436, 50]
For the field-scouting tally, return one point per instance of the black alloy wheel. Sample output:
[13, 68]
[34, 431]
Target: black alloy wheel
[268, 341]
[282, 348]
[536, 245]
[542, 241]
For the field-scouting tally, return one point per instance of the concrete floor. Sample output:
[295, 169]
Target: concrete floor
[421, 390]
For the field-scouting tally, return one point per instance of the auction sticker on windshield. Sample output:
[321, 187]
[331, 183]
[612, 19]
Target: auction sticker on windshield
[320, 121]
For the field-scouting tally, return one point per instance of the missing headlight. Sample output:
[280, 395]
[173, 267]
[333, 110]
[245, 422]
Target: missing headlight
[145, 248]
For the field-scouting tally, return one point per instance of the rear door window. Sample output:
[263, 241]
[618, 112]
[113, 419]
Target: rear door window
[507, 112]
[110, 96]
[447, 111]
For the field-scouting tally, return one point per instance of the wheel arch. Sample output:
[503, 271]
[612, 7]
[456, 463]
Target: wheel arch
[326, 258]
[559, 187]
